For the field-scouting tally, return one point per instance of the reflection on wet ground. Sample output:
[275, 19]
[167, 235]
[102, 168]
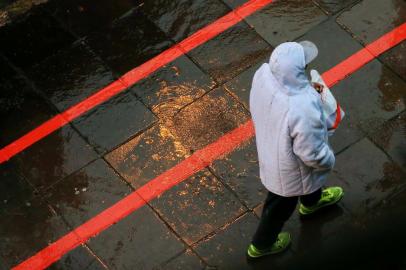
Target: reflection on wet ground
[378, 17]
[179, 19]
[76, 74]
[286, 20]
[128, 42]
[54, 54]
[86, 16]
[26, 227]
[231, 52]
[21, 43]
[391, 137]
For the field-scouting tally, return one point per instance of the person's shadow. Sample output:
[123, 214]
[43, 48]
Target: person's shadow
[315, 227]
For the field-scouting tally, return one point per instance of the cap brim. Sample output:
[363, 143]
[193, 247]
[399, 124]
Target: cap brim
[310, 50]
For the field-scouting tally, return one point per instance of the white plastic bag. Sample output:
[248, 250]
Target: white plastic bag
[332, 111]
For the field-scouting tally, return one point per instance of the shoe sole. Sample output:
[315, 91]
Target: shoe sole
[328, 204]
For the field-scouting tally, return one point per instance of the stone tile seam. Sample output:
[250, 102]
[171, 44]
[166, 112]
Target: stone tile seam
[219, 84]
[201, 159]
[369, 137]
[360, 42]
[317, 4]
[97, 258]
[222, 228]
[201, 36]
[186, 54]
[33, 88]
[186, 246]
[227, 187]
[59, 24]
[395, 73]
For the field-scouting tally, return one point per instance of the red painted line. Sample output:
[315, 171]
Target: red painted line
[196, 162]
[359, 59]
[133, 76]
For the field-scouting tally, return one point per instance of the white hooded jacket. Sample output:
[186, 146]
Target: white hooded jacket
[291, 134]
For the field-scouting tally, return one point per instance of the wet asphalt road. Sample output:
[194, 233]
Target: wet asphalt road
[57, 53]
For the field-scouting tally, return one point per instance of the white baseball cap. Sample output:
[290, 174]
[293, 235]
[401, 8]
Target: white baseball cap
[310, 50]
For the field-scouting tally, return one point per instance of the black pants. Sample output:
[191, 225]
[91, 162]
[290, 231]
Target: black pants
[276, 212]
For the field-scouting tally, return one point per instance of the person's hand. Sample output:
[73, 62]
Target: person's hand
[319, 87]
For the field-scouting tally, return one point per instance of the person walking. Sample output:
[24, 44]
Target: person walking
[292, 143]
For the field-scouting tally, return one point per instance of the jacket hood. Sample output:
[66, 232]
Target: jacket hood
[287, 65]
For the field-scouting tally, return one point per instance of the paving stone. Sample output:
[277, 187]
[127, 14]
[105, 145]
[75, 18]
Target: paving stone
[139, 241]
[346, 134]
[378, 18]
[207, 119]
[227, 249]
[173, 87]
[334, 45]
[32, 38]
[128, 42]
[395, 59]
[197, 206]
[6, 70]
[13, 10]
[71, 76]
[356, 248]
[54, 157]
[26, 228]
[13, 187]
[96, 265]
[234, 3]
[391, 138]
[180, 19]
[396, 204]
[334, 6]
[312, 232]
[22, 108]
[356, 241]
[231, 52]
[3, 266]
[240, 171]
[146, 156]
[87, 192]
[114, 122]
[5, 3]
[186, 261]
[79, 258]
[284, 21]
[369, 97]
[367, 176]
[85, 16]
[240, 86]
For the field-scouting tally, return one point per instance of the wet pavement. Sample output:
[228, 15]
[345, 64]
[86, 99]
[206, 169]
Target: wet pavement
[54, 54]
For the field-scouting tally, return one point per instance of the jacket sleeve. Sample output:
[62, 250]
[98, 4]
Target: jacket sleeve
[307, 132]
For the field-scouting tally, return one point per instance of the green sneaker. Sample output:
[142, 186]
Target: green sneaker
[280, 245]
[329, 196]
